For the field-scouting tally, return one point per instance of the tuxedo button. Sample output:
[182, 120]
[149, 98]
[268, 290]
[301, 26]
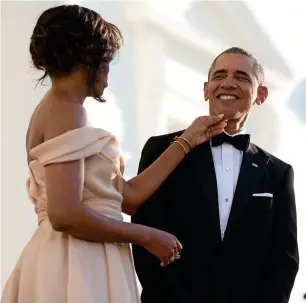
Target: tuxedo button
[227, 169]
[226, 200]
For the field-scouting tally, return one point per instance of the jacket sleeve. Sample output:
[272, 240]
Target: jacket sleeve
[283, 267]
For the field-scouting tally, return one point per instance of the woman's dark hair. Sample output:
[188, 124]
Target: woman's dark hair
[70, 36]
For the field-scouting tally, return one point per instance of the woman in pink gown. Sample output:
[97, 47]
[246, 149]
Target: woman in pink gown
[80, 252]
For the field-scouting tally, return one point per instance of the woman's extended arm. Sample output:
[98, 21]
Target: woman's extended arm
[67, 213]
[138, 189]
[64, 187]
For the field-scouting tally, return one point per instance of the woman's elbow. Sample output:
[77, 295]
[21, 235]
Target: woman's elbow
[129, 209]
[61, 221]
[58, 224]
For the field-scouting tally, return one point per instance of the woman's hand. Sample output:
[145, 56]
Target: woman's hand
[163, 245]
[138, 189]
[203, 128]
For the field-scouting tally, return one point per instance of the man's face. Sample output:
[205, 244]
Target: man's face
[232, 87]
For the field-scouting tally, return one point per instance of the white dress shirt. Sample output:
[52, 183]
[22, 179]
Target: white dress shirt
[227, 161]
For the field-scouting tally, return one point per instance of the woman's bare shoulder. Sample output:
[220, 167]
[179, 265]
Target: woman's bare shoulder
[53, 117]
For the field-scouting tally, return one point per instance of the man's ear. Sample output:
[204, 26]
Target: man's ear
[262, 95]
[206, 91]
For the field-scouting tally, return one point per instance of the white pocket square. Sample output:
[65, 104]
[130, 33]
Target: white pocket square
[263, 195]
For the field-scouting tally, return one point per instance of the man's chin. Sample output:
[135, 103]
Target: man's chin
[231, 115]
[228, 114]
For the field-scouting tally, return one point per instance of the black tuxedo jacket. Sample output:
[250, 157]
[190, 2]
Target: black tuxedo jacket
[256, 262]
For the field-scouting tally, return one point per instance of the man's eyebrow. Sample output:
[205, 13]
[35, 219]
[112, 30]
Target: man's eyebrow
[220, 71]
[240, 72]
[224, 71]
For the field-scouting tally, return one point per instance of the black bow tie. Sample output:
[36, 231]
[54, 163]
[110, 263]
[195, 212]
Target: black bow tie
[240, 142]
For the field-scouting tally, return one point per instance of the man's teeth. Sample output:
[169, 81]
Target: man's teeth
[227, 97]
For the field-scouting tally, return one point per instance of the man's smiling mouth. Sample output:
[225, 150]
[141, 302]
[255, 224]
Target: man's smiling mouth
[227, 97]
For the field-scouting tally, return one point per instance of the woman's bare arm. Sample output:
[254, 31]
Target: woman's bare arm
[64, 183]
[64, 186]
[138, 189]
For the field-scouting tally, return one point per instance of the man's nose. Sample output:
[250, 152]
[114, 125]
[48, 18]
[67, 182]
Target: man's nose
[228, 84]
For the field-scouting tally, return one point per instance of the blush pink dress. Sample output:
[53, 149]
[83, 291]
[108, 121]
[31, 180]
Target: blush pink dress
[54, 267]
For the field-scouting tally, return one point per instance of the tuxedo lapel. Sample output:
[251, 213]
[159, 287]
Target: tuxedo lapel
[203, 168]
[252, 168]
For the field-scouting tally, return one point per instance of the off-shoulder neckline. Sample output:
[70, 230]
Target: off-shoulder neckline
[69, 132]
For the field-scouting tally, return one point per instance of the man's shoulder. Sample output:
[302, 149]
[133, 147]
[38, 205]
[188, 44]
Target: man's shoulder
[275, 162]
[161, 142]
[165, 137]
[156, 145]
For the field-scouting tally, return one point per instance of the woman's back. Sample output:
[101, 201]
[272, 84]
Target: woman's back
[35, 131]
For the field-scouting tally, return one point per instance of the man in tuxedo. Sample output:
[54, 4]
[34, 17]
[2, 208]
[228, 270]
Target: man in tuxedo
[230, 203]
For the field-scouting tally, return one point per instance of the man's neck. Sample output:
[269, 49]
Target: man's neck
[241, 131]
[233, 128]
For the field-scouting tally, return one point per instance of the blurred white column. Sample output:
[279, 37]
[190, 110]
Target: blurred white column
[148, 72]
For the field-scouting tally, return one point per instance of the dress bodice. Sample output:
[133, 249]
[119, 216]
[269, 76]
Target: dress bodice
[64, 268]
[103, 182]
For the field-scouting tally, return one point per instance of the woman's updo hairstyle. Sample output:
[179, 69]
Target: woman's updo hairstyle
[70, 36]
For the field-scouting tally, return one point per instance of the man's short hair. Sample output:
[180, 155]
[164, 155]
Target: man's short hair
[258, 69]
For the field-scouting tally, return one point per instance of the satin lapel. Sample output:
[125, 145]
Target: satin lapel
[252, 168]
[204, 170]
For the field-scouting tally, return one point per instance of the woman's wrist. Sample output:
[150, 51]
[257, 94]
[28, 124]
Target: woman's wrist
[142, 238]
[185, 140]
[183, 143]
